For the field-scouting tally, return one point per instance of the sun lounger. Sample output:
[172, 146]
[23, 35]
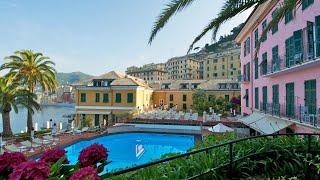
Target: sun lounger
[14, 148]
[42, 141]
[29, 144]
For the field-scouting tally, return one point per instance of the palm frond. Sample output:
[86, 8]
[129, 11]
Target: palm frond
[171, 9]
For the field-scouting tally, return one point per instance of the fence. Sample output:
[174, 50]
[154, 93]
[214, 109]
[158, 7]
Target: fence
[229, 145]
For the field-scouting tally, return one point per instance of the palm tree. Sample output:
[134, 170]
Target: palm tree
[230, 9]
[33, 70]
[12, 95]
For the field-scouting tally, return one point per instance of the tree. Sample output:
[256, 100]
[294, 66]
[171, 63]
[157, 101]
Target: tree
[230, 9]
[32, 70]
[12, 95]
[200, 100]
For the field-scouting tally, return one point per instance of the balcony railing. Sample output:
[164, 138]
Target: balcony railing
[294, 112]
[243, 78]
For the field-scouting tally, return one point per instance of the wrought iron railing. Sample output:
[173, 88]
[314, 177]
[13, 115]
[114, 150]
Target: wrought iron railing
[243, 78]
[294, 112]
[231, 161]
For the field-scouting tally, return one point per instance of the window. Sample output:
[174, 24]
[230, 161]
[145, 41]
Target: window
[256, 98]
[256, 68]
[97, 97]
[184, 97]
[171, 97]
[275, 99]
[105, 98]
[231, 65]
[223, 67]
[130, 98]
[256, 38]
[306, 3]
[264, 26]
[275, 59]
[288, 16]
[246, 46]
[96, 119]
[184, 106]
[118, 97]
[83, 97]
[274, 29]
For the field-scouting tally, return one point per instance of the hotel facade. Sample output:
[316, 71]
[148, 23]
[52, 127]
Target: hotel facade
[283, 80]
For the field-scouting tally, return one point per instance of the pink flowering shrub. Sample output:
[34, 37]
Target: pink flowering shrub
[51, 156]
[93, 154]
[30, 170]
[86, 173]
[9, 160]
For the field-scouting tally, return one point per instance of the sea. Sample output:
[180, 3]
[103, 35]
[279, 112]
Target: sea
[56, 112]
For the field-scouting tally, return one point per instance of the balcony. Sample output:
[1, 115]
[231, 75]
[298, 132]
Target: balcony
[294, 112]
[244, 78]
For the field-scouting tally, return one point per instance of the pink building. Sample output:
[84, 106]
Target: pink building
[284, 80]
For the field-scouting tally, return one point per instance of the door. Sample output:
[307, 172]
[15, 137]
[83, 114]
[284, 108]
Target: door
[310, 96]
[290, 100]
[317, 36]
[105, 119]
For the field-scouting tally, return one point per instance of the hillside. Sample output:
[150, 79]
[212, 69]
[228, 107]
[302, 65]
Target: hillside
[70, 78]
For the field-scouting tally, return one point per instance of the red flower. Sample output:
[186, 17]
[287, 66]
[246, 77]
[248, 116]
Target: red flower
[86, 173]
[9, 160]
[92, 155]
[51, 156]
[30, 170]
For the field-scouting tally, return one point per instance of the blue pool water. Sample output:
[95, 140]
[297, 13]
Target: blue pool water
[123, 147]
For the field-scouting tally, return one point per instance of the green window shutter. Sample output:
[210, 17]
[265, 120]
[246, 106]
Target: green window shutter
[171, 97]
[256, 98]
[311, 96]
[256, 68]
[184, 97]
[105, 98]
[275, 99]
[310, 41]
[129, 97]
[118, 97]
[306, 3]
[264, 63]
[96, 120]
[297, 35]
[317, 24]
[184, 106]
[247, 98]
[274, 29]
[275, 59]
[290, 104]
[227, 98]
[264, 26]
[97, 97]
[288, 17]
[264, 97]
[256, 37]
[83, 97]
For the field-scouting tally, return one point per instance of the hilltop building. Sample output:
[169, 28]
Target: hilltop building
[148, 72]
[283, 82]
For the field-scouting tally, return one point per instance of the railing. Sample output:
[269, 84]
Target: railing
[243, 78]
[293, 112]
[231, 161]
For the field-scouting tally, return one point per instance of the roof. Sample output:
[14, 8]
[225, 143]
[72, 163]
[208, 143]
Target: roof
[265, 124]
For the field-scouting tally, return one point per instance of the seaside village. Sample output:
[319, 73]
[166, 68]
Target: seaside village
[249, 92]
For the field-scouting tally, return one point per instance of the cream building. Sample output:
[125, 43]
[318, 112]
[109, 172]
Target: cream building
[148, 72]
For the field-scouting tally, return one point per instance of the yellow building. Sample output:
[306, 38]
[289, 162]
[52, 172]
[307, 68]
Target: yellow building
[105, 97]
[179, 93]
[222, 65]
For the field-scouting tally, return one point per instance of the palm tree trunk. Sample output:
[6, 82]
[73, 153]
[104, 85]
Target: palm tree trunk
[29, 122]
[7, 132]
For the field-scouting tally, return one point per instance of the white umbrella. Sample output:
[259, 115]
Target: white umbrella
[220, 128]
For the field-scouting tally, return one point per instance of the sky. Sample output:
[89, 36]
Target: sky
[97, 36]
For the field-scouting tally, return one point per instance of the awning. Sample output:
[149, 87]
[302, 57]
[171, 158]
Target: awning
[265, 124]
[220, 128]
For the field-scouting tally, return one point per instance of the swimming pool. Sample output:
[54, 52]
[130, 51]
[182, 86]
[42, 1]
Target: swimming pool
[129, 149]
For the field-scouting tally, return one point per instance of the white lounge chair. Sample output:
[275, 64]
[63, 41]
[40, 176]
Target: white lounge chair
[41, 141]
[14, 148]
[29, 144]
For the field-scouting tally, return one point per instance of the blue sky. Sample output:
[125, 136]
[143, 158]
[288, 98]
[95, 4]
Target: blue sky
[96, 36]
